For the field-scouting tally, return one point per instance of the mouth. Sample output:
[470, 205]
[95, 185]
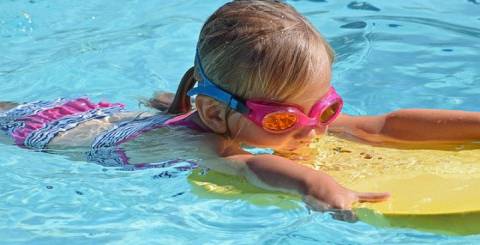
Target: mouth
[304, 142]
[295, 145]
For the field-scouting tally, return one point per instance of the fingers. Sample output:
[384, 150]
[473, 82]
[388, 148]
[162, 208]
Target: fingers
[343, 201]
[372, 197]
[343, 215]
[315, 204]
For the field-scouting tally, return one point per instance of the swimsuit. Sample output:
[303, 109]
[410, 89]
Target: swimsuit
[35, 124]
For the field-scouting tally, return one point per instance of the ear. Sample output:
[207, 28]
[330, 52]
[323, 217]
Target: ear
[212, 113]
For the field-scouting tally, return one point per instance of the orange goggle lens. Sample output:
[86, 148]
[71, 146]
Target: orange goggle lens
[279, 121]
[329, 113]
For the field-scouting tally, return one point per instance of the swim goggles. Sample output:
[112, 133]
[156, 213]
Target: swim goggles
[272, 117]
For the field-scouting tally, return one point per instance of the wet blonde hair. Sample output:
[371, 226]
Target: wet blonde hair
[256, 49]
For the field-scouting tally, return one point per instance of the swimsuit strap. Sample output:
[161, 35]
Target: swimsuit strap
[105, 150]
[185, 120]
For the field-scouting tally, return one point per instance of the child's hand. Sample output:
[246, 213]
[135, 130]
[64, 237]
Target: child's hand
[324, 193]
[320, 190]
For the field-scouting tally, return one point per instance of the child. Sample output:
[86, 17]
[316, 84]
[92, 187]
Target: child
[263, 79]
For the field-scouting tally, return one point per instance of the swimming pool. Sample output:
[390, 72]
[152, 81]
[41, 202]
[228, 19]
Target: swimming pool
[391, 55]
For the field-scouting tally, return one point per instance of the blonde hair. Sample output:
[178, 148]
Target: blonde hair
[256, 49]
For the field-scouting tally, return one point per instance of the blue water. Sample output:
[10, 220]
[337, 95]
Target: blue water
[391, 54]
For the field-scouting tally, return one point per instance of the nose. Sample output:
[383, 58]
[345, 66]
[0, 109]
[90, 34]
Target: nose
[307, 132]
[320, 130]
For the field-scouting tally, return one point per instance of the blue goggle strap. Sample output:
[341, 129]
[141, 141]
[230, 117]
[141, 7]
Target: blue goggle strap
[208, 88]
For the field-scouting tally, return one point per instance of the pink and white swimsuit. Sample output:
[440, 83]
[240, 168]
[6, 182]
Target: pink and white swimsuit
[35, 124]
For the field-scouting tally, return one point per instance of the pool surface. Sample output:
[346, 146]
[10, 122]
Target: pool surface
[390, 55]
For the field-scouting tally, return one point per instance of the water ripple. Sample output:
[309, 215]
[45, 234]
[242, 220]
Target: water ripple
[460, 29]
[362, 6]
[121, 51]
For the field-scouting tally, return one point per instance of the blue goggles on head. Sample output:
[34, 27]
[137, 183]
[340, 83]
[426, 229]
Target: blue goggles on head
[207, 87]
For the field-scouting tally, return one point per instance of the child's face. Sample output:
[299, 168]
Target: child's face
[245, 131]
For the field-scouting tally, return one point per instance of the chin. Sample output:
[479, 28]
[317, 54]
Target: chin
[287, 148]
[296, 145]
[262, 145]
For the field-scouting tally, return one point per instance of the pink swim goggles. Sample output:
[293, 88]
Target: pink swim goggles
[273, 117]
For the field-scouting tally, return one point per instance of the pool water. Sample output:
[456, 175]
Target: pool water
[390, 55]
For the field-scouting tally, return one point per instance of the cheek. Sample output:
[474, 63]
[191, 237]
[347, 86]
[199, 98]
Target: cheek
[264, 139]
[245, 131]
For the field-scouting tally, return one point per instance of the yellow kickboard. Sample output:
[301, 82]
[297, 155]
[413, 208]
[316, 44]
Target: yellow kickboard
[431, 190]
[427, 202]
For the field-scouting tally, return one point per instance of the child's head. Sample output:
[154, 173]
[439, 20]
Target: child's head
[261, 50]
[257, 50]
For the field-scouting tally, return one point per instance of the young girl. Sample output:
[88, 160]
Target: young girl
[261, 78]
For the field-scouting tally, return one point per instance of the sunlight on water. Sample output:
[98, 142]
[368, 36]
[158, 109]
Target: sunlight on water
[390, 55]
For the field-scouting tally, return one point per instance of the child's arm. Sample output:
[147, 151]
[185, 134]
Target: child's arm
[411, 125]
[272, 172]
[265, 171]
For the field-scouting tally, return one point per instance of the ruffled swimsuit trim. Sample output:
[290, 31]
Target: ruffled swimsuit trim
[35, 124]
